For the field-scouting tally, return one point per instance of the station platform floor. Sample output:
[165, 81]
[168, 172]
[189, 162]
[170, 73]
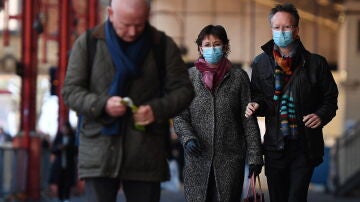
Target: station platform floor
[178, 196]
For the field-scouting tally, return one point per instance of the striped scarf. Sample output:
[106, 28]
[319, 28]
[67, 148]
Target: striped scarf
[283, 72]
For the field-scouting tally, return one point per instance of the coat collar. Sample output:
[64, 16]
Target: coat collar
[304, 54]
[268, 47]
[99, 33]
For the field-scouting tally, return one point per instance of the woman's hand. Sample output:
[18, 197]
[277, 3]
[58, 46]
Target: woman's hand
[251, 109]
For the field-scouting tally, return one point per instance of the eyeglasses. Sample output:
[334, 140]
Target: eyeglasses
[211, 45]
[285, 28]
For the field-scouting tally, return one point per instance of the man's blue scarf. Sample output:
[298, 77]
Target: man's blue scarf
[127, 57]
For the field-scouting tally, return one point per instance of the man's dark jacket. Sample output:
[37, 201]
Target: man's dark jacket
[314, 89]
[133, 154]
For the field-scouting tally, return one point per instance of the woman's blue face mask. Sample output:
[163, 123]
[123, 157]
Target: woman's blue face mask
[282, 38]
[212, 55]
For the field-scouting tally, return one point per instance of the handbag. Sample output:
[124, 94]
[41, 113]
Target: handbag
[253, 195]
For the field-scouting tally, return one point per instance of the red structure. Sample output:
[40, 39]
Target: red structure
[28, 96]
[29, 61]
[92, 13]
[65, 29]
[7, 17]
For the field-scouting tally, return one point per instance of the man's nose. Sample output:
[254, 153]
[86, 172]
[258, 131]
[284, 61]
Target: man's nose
[132, 30]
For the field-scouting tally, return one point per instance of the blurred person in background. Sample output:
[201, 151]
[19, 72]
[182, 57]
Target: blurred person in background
[4, 136]
[296, 93]
[63, 168]
[213, 130]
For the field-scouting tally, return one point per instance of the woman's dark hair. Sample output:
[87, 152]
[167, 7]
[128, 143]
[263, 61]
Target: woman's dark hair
[217, 31]
[287, 7]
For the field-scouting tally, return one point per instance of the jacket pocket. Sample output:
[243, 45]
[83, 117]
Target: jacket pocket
[90, 128]
[91, 153]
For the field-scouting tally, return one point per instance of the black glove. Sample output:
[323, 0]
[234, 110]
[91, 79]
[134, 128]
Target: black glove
[192, 147]
[254, 169]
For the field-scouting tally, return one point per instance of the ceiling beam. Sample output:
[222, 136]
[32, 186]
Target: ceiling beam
[332, 24]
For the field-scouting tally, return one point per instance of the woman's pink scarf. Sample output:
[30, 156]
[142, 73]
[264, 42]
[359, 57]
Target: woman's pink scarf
[212, 76]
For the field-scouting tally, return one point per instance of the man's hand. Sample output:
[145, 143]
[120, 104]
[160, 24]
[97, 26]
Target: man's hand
[144, 115]
[312, 121]
[114, 108]
[251, 109]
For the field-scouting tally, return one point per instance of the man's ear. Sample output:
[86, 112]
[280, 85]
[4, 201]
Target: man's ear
[110, 13]
[296, 32]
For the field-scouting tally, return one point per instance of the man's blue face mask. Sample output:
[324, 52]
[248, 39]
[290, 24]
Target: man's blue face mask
[282, 38]
[212, 55]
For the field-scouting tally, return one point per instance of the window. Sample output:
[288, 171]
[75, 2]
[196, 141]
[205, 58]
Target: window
[11, 8]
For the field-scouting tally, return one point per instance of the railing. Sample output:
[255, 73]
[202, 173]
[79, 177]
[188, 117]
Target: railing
[347, 161]
[13, 171]
[13, 164]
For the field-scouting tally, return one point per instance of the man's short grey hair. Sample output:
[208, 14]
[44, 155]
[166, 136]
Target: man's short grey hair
[286, 7]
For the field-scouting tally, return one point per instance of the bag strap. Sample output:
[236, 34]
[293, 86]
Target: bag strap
[258, 178]
[91, 50]
[90, 54]
[252, 188]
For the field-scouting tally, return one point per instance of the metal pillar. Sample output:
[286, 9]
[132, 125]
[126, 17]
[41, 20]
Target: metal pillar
[46, 36]
[28, 96]
[45, 5]
[6, 34]
[65, 27]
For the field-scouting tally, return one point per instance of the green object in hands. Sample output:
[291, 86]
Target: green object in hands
[128, 102]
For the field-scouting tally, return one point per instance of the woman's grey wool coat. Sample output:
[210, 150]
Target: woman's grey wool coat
[226, 137]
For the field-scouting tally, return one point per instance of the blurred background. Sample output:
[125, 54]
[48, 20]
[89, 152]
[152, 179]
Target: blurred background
[36, 38]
